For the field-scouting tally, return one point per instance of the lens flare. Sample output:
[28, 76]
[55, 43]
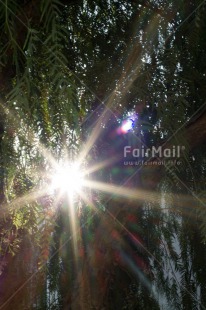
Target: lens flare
[68, 178]
[127, 125]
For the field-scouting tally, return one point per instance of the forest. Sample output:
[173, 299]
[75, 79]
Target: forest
[102, 154]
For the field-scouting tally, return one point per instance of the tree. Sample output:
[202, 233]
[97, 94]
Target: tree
[60, 60]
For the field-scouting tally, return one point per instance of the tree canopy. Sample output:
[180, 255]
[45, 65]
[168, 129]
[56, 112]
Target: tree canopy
[82, 81]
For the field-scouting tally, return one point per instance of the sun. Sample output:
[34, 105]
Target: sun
[68, 178]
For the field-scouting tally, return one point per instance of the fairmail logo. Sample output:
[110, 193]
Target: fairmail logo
[160, 152]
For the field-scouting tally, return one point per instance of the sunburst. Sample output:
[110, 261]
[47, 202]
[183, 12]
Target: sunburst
[68, 178]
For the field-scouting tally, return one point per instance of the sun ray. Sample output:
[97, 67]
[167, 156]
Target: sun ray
[19, 202]
[103, 164]
[140, 195]
[103, 118]
[127, 78]
[74, 227]
[31, 136]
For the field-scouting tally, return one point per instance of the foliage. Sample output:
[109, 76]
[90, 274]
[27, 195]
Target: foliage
[62, 61]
